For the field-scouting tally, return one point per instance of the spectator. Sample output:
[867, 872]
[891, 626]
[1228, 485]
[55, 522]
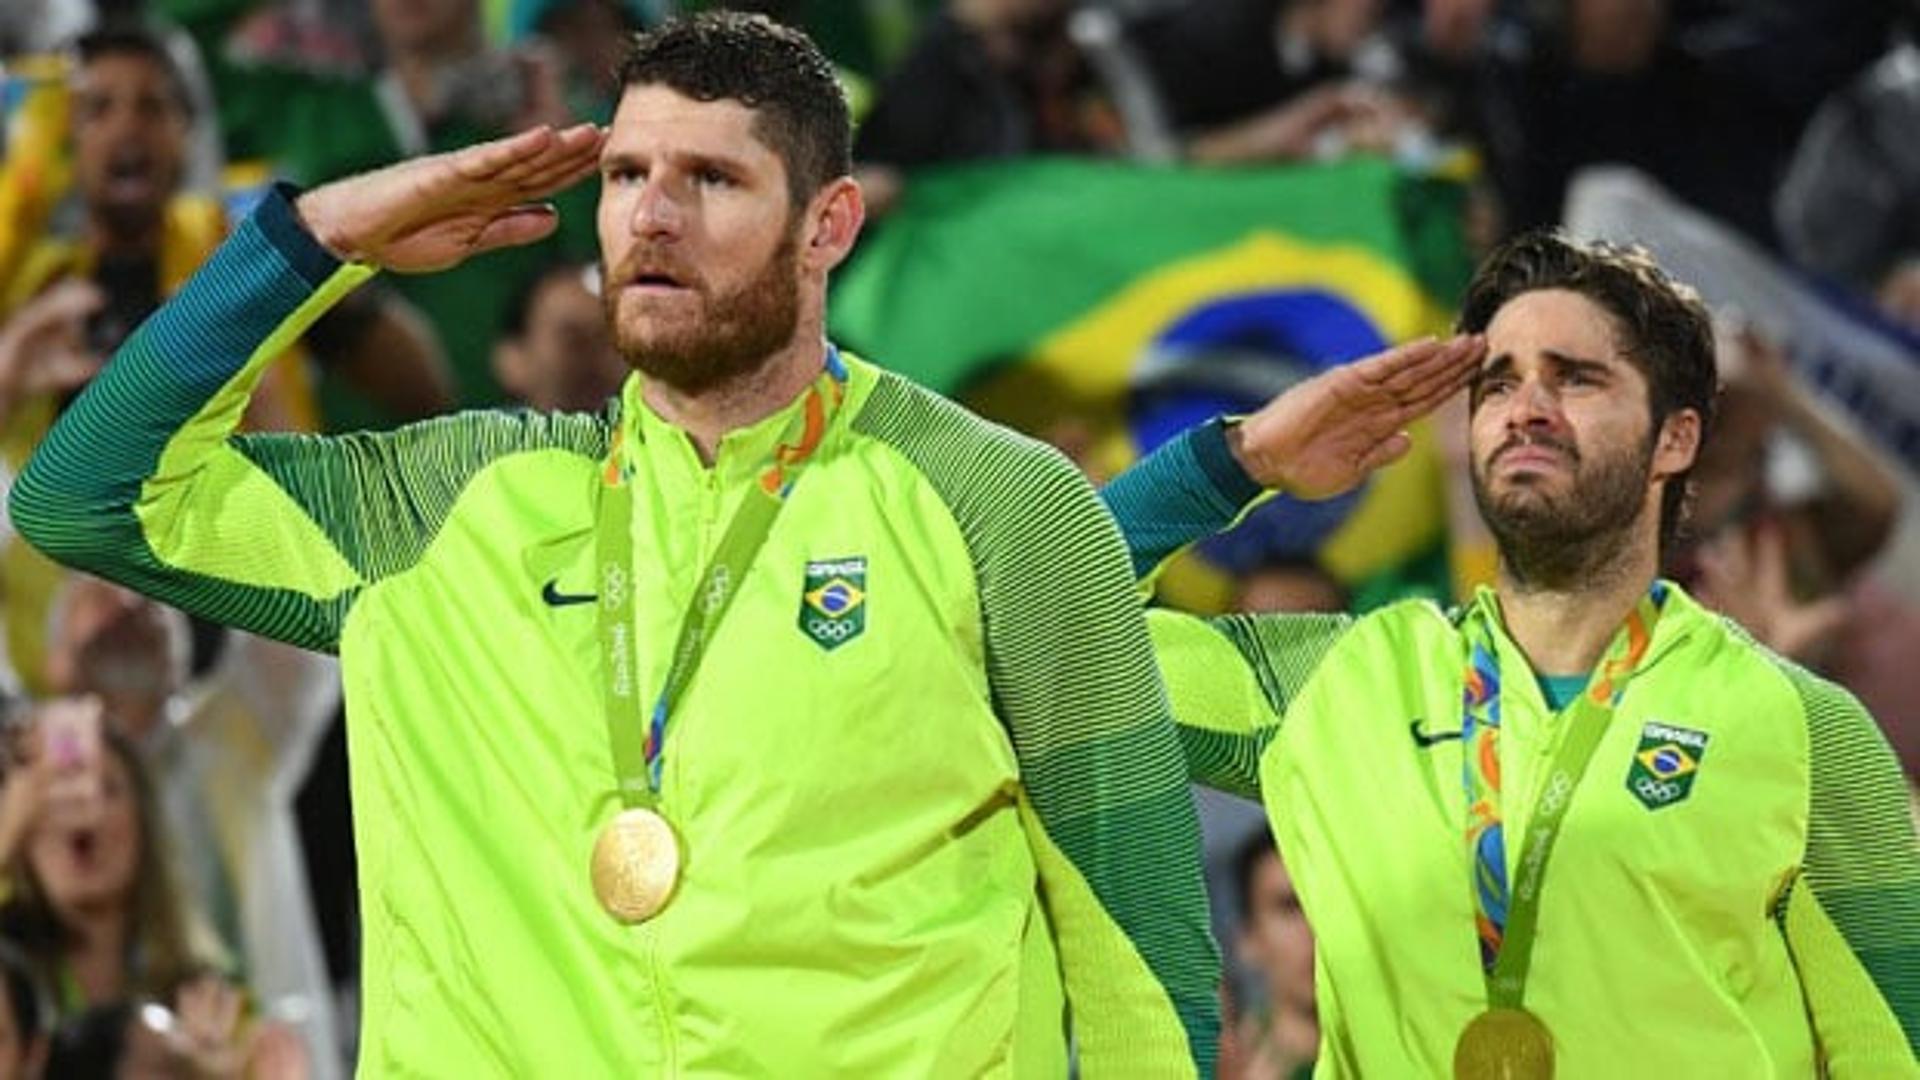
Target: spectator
[990, 79]
[588, 36]
[1278, 1038]
[554, 352]
[25, 1019]
[1707, 96]
[1850, 205]
[228, 753]
[90, 899]
[441, 86]
[1286, 80]
[1821, 539]
[70, 300]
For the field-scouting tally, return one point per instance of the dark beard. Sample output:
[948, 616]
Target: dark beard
[1568, 541]
[737, 333]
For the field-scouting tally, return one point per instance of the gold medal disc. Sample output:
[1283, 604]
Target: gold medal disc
[636, 864]
[1504, 1044]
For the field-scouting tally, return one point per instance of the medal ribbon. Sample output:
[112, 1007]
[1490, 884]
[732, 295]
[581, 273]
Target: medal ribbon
[638, 761]
[1505, 919]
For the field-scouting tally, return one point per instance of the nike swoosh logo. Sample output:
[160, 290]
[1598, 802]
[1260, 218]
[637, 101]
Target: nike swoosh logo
[1423, 740]
[553, 596]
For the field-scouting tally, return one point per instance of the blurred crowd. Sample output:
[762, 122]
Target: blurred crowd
[176, 860]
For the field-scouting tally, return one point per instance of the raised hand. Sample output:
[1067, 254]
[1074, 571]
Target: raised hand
[1324, 435]
[432, 212]
[43, 345]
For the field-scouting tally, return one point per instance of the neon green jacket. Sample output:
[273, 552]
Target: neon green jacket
[917, 839]
[1736, 892]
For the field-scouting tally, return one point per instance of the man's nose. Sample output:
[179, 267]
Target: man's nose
[657, 214]
[1534, 405]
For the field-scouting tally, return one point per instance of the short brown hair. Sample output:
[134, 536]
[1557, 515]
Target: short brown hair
[1663, 327]
[775, 70]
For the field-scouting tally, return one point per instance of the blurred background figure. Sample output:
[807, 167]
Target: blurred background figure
[587, 37]
[554, 352]
[1849, 207]
[1291, 584]
[229, 751]
[439, 83]
[1273, 1032]
[91, 899]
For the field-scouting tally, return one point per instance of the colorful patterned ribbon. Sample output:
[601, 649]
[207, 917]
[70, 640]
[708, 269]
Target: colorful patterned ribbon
[1504, 918]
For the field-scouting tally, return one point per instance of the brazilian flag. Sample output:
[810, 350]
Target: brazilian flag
[1106, 306]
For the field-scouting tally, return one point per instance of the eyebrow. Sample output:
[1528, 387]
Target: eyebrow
[1503, 363]
[630, 159]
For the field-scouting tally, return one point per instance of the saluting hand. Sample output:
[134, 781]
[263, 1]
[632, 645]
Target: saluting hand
[432, 212]
[1323, 436]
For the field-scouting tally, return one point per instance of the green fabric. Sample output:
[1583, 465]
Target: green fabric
[920, 851]
[1560, 690]
[1045, 554]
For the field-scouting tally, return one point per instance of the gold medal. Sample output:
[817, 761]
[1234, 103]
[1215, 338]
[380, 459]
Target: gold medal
[636, 864]
[1504, 1044]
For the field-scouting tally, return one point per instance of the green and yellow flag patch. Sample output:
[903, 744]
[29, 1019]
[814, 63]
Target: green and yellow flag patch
[833, 601]
[1665, 764]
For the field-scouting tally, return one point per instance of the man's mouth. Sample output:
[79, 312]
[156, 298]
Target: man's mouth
[130, 176]
[1533, 455]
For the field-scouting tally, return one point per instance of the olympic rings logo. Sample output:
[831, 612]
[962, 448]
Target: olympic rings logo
[613, 586]
[833, 631]
[718, 586]
[1657, 791]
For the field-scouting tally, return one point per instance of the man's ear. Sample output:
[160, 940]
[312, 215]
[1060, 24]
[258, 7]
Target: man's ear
[834, 217]
[1678, 445]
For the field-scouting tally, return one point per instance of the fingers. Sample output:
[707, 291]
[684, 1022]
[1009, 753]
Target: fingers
[533, 157]
[503, 160]
[72, 299]
[580, 159]
[1443, 366]
[1386, 452]
[516, 226]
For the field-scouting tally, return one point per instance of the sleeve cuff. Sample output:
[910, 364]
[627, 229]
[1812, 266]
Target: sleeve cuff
[277, 221]
[1229, 480]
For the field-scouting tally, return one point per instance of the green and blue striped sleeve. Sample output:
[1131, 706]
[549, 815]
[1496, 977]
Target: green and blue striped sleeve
[1853, 916]
[144, 482]
[1182, 493]
[1107, 807]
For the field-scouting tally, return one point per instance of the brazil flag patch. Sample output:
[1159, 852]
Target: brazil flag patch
[1665, 764]
[833, 601]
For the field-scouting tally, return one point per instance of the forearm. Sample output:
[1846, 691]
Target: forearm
[1185, 491]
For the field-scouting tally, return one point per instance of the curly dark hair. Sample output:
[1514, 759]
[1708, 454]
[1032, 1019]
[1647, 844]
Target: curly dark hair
[773, 69]
[1661, 324]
